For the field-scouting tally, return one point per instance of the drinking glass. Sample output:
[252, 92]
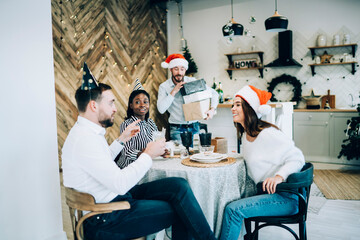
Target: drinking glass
[186, 139]
[207, 149]
[184, 153]
[205, 139]
[158, 135]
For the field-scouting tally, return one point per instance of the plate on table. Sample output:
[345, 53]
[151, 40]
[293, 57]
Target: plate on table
[211, 158]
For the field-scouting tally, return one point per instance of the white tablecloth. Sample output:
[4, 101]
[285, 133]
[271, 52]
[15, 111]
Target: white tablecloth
[213, 187]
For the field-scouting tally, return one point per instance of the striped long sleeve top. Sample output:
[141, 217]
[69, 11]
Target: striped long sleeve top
[137, 143]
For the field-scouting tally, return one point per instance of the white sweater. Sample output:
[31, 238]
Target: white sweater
[271, 153]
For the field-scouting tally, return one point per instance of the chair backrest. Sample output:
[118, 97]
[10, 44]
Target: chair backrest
[301, 179]
[80, 201]
[304, 178]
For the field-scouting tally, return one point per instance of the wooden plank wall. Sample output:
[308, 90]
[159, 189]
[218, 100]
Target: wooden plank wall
[120, 40]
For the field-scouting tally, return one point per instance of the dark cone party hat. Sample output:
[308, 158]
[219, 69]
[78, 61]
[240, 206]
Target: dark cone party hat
[88, 81]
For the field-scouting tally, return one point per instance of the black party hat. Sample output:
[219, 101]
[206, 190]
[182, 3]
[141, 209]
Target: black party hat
[88, 81]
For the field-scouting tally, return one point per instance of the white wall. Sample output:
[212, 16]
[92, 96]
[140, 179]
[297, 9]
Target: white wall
[203, 20]
[30, 205]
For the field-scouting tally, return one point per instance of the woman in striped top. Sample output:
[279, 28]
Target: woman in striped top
[138, 108]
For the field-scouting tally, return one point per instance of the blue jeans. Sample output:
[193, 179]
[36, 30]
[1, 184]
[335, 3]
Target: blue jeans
[176, 130]
[154, 206]
[277, 204]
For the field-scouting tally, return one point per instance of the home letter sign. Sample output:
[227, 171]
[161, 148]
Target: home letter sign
[245, 63]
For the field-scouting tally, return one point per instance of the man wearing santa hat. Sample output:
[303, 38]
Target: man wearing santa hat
[171, 100]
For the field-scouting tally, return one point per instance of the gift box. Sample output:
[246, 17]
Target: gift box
[220, 144]
[196, 110]
[198, 96]
[193, 87]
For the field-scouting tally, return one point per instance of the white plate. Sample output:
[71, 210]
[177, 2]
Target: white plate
[208, 158]
[213, 156]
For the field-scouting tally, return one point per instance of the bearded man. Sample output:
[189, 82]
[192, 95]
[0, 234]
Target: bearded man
[171, 100]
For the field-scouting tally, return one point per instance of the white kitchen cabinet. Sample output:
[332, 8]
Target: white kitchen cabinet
[320, 135]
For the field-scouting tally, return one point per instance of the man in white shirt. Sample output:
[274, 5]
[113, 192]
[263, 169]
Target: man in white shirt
[88, 166]
[171, 100]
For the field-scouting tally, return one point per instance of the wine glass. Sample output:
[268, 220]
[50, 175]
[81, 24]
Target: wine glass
[205, 139]
[186, 138]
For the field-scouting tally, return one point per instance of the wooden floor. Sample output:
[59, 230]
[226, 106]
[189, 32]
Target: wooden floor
[331, 220]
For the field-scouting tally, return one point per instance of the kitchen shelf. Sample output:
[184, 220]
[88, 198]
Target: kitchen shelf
[231, 63]
[329, 64]
[353, 48]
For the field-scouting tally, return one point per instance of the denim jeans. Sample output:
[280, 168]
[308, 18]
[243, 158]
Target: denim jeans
[175, 131]
[276, 204]
[154, 206]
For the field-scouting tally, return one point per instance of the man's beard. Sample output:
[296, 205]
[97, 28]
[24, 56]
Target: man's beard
[106, 123]
[176, 80]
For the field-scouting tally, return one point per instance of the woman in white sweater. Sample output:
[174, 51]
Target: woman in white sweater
[270, 157]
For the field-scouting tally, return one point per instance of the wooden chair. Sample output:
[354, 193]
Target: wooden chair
[298, 184]
[79, 201]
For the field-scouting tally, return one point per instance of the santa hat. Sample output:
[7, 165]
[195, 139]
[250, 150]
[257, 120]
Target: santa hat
[88, 80]
[256, 98]
[138, 85]
[174, 60]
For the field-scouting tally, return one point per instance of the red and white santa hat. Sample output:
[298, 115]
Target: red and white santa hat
[174, 60]
[256, 98]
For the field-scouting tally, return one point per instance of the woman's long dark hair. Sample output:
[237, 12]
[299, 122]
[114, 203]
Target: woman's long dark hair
[129, 111]
[253, 125]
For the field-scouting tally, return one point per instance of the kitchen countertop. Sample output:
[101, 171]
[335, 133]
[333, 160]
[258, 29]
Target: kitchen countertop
[229, 105]
[324, 110]
[278, 105]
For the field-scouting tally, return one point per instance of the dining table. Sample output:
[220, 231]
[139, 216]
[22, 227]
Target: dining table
[214, 185]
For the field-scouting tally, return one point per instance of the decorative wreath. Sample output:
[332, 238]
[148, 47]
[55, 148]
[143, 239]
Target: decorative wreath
[289, 80]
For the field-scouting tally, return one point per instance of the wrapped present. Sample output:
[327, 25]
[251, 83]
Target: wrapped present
[220, 144]
[196, 110]
[193, 87]
[198, 96]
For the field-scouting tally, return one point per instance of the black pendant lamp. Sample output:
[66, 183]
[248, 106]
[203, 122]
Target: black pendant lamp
[277, 22]
[232, 28]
